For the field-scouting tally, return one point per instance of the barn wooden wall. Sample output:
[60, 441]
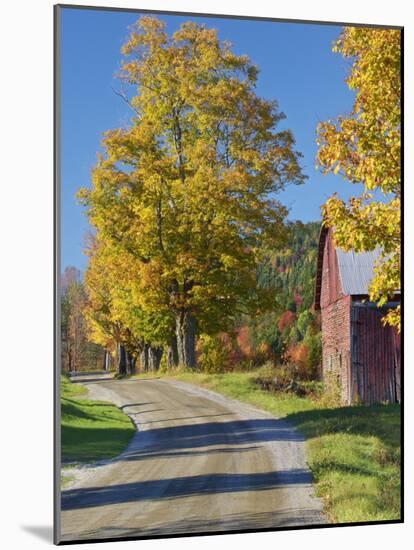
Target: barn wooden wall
[375, 354]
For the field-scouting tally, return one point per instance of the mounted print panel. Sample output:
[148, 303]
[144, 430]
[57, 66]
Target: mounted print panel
[228, 294]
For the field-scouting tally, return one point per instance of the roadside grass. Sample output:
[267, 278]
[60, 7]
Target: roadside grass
[65, 478]
[353, 452]
[90, 430]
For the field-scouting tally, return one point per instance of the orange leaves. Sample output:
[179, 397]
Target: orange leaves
[243, 341]
[297, 355]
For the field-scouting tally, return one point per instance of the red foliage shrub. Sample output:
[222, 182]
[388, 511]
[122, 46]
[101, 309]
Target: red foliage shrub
[298, 355]
[243, 341]
[231, 346]
[286, 320]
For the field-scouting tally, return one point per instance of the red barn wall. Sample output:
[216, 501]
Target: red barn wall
[358, 353]
[375, 372]
[336, 323]
[336, 344]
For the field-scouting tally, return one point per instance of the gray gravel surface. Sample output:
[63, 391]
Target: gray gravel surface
[198, 462]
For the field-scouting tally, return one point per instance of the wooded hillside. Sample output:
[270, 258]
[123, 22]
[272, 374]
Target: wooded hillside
[289, 333]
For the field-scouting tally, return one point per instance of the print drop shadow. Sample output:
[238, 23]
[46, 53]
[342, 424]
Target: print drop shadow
[42, 532]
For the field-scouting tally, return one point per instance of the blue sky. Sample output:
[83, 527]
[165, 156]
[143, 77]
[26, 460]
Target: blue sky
[297, 67]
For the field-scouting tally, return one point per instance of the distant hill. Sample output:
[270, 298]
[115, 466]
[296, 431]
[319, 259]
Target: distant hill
[292, 271]
[289, 333]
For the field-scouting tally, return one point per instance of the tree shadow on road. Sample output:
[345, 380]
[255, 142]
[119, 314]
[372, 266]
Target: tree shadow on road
[161, 442]
[181, 487]
[253, 522]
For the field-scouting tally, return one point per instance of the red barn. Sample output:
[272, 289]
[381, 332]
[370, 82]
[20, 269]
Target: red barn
[359, 353]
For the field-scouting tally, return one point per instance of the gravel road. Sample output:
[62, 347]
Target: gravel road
[198, 462]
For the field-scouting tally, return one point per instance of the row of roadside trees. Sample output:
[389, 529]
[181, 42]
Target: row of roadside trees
[183, 199]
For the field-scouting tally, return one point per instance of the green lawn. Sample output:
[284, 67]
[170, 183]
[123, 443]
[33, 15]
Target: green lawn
[91, 430]
[353, 452]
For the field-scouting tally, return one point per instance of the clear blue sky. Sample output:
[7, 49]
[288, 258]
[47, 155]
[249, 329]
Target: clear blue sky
[296, 66]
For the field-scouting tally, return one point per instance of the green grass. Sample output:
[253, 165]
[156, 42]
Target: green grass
[91, 430]
[65, 478]
[353, 452]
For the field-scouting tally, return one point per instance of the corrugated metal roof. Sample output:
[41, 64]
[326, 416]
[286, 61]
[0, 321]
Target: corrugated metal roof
[356, 270]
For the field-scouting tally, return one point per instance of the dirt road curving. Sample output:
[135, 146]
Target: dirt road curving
[199, 462]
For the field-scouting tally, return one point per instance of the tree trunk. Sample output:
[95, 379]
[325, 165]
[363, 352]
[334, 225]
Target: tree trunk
[154, 358]
[186, 333]
[122, 364]
[143, 358]
[105, 360]
[172, 354]
[130, 360]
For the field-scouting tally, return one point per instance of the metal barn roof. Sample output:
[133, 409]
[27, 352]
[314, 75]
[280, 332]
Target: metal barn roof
[356, 269]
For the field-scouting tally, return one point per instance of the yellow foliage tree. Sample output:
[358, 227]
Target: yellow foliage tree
[187, 189]
[365, 147]
[113, 311]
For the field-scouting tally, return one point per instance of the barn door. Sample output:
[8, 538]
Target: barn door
[375, 357]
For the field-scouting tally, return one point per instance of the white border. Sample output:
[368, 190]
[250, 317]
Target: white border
[26, 287]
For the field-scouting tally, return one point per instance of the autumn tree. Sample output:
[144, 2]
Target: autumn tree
[188, 188]
[365, 147]
[114, 316]
[77, 352]
[102, 328]
[72, 320]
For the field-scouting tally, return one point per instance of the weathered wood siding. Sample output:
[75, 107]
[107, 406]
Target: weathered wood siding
[335, 320]
[397, 362]
[336, 345]
[331, 290]
[375, 357]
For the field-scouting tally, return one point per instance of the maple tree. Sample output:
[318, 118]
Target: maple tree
[184, 197]
[102, 328]
[365, 147]
[115, 318]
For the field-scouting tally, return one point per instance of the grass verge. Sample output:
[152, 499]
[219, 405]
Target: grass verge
[353, 452]
[90, 430]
